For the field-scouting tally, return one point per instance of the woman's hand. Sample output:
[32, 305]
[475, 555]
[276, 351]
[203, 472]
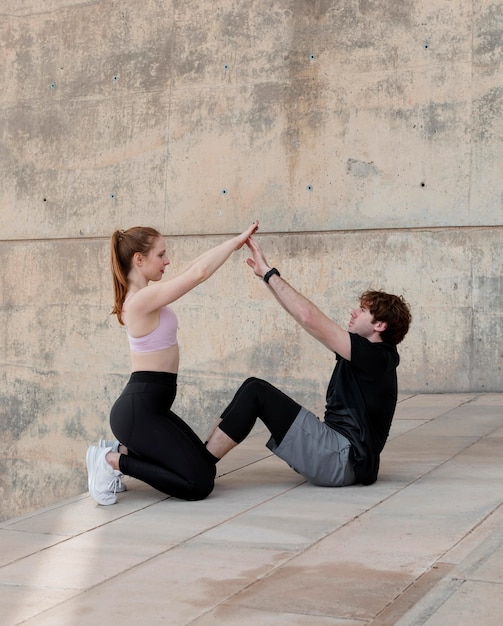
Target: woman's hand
[244, 236]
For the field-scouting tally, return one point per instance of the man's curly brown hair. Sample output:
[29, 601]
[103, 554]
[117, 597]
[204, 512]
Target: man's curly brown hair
[393, 310]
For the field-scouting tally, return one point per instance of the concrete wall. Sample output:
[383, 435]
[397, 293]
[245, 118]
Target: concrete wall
[366, 136]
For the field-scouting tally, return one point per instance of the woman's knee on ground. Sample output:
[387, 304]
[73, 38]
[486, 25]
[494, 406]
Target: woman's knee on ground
[199, 490]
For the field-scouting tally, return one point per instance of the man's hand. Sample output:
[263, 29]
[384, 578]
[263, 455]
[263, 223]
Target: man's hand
[307, 314]
[258, 264]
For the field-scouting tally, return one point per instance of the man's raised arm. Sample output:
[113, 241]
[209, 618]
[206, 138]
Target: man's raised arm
[307, 314]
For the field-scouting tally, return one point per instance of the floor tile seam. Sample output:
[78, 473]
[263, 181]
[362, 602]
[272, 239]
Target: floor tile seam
[482, 551]
[227, 603]
[65, 503]
[52, 507]
[429, 604]
[456, 575]
[299, 553]
[165, 551]
[308, 546]
[66, 538]
[477, 440]
[468, 400]
[493, 432]
[425, 421]
[229, 599]
[479, 581]
[120, 517]
[366, 510]
[35, 587]
[472, 401]
[428, 474]
[4, 524]
[152, 558]
[471, 397]
[435, 599]
[40, 550]
[37, 613]
[410, 483]
[26, 531]
[407, 397]
[426, 605]
[245, 465]
[235, 516]
[89, 588]
[30, 554]
[215, 525]
[58, 603]
[473, 440]
[483, 581]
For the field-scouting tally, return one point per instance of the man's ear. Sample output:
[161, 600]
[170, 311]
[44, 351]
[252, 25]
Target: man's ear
[380, 327]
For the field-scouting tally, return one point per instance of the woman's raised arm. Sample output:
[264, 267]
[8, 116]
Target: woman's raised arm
[156, 295]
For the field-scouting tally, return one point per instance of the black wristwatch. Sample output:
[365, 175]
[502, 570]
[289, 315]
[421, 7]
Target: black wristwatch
[270, 273]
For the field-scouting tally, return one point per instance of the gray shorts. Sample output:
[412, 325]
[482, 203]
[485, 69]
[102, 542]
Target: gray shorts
[316, 451]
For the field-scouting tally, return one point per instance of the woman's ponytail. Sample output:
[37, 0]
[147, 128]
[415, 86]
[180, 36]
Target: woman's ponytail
[123, 246]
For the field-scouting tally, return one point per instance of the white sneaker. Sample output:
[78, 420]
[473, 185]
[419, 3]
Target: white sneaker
[102, 478]
[106, 443]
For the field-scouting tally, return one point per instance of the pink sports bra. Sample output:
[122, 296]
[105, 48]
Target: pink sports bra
[164, 336]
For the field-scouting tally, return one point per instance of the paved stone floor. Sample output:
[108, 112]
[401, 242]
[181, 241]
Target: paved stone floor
[424, 545]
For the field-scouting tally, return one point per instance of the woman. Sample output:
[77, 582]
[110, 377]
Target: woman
[156, 446]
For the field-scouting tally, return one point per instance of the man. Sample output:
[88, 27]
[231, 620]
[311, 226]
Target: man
[361, 397]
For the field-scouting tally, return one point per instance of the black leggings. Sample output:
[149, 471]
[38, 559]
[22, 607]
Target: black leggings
[258, 398]
[163, 450]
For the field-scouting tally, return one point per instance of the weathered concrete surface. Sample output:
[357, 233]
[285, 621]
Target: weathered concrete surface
[366, 137]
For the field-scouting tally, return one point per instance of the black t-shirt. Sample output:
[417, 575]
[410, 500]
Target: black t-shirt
[361, 402]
